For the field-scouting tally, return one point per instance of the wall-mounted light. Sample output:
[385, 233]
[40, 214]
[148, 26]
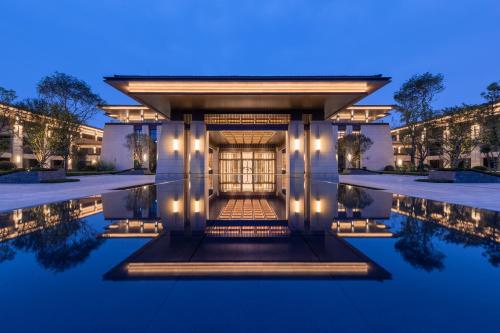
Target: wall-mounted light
[197, 206]
[197, 145]
[317, 144]
[400, 162]
[18, 159]
[297, 207]
[145, 157]
[175, 144]
[318, 206]
[349, 157]
[175, 206]
[296, 144]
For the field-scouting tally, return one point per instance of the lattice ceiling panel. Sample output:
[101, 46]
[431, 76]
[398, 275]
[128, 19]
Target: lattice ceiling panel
[248, 137]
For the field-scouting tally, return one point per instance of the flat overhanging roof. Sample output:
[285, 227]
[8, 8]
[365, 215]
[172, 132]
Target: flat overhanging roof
[328, 93]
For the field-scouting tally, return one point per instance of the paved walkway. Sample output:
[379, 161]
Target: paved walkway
[477, 195]
[14, 196]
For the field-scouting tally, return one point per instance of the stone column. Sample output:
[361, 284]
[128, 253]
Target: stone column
[17, 144]
[323, 151]
[296, 148]
[198, 149]
[171, 149]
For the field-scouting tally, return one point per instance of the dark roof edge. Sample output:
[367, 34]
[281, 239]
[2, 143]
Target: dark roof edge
[299, 78]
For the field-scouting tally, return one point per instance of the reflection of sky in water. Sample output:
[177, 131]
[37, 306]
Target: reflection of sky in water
[442, 260]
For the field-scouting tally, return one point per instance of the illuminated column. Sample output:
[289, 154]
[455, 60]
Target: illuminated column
[171, 148]
[17, 144]
[198, 149]
[323, 151]
[296, 148]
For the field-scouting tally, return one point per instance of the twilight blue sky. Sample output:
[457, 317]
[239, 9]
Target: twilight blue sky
[91, 39]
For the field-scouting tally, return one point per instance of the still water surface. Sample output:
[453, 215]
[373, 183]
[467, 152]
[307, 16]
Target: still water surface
[394, 263]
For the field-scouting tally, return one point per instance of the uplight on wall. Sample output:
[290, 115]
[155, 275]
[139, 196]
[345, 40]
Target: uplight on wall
[197, 206]
[145, 157]
[297, 207]
[349, 157]
[296, 144]
[175, 206]
[317, 144]
[175, 145]
[197, 145]
[18, 159]
[400, 162]
[318, 206]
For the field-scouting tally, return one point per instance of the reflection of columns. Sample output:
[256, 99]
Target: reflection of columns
[296, 148]
[296, 203]
[323, 205]
[323, 151]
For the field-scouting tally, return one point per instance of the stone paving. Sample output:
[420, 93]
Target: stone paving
[14, 196]
[479, 195]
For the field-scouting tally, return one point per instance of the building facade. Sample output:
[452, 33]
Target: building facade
[435, 158]
[248, 130]
[14, 149]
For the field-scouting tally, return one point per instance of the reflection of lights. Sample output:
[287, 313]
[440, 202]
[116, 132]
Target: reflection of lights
[197, 206]
[197, 144]
[175, 206]
[175, 145]
[318, 206]
[297, 206]
[318, 144]
[296, 144]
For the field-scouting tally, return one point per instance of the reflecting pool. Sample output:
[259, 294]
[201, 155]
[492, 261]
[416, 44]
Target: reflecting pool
[318, 256]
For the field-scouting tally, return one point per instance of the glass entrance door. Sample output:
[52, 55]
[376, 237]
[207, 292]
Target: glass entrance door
[247, 171]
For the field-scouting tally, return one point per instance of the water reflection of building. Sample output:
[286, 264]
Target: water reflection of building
[133, 213]
[474, 222]
[195, 241]
[23, 221]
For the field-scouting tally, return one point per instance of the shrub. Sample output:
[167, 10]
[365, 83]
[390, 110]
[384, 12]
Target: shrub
[99, 166]
[7, 165]
[389, 168]
[480, 168]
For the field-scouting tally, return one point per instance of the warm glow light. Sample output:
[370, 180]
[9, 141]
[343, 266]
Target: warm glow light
[197, 144]
[175, 206]
[94, 161]
[296, 144]
[145, 156]
[400, 162]
[175, 144]
[318, 144]
[349, 157]
[18, 159]
[318, 206]
[197, 206]
[297, 206]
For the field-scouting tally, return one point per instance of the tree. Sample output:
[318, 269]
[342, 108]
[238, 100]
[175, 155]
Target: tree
[352, 146]
[38, 129]
[74, 103]
[458, 139]
[140, 145]
[7, 114]
[414, 104]
[489, 122]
